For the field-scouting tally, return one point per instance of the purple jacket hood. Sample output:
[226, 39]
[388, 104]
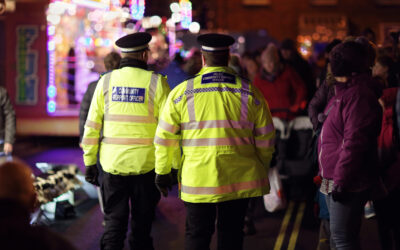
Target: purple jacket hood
[347, 147]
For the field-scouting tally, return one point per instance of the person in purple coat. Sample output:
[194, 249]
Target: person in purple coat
[347, 148]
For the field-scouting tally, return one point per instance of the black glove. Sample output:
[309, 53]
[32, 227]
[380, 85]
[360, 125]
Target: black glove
[174, 176]
[163, 183]
[92, 174]
[338, 194]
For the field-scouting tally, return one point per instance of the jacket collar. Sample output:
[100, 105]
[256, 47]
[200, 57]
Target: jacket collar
[271, 77]
[267, 76]
[129, 62]
[225, 69]
[361, 79]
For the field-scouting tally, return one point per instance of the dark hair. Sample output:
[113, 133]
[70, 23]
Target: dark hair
[348, 58]
[112, 60]
[178, 58]
[219, 58]
[369, 33]
[288, 44]
[193, 63]
[248, 55]
[387, 61]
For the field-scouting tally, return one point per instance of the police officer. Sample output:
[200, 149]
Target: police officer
[226, 132]
[126, 104]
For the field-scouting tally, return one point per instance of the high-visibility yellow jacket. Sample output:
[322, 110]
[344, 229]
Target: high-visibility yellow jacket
[225, 129]
[126, 105]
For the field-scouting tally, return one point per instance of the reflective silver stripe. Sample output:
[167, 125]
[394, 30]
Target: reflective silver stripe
[264, 130]
[90, 141]
[106, 87]
[128, 141]
[234, 141]
[206, 48]
[190, 100]
[244, 98]
[152, 93]
[236, 187]
[216, 124]
[92, 124]
[166, 142]
[265, 143]
[130, 118]
[168, 127]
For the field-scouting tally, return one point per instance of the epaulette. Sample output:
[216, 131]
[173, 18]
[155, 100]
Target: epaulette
[191, 77]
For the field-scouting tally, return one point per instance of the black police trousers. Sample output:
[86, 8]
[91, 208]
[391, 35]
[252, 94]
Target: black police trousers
[136, 195]
[200, 224]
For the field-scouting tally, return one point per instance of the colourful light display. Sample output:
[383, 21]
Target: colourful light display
[51, 95]
[51, 91]
[137, 9]
[92, 26]
[186, 13]
[51, 106]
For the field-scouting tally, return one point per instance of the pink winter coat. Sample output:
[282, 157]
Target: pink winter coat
[347, 147]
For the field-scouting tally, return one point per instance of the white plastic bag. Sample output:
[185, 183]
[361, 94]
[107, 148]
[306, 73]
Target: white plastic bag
[275, 200]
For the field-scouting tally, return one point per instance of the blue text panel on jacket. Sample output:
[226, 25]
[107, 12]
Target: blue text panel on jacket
[218, 77]
[128, 94]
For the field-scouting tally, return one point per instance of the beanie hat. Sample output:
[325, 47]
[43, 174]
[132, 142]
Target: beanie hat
[347, 59]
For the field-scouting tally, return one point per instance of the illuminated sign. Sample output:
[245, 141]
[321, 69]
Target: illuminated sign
[27, 61]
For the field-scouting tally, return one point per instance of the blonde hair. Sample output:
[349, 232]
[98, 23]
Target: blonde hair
[270, 53]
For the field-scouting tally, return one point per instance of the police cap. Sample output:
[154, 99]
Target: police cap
[215, 42]
[134, 42]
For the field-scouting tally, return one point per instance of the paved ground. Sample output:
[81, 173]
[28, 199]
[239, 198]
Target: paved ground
[294, 228]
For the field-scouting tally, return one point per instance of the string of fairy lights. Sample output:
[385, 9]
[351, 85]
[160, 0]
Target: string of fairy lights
[92, 27]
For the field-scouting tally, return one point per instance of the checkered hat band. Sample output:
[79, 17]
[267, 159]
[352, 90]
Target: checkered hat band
[213, 89]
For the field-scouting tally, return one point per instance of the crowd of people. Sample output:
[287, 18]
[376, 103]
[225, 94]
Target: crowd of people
[208, 126]
[344, 98]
